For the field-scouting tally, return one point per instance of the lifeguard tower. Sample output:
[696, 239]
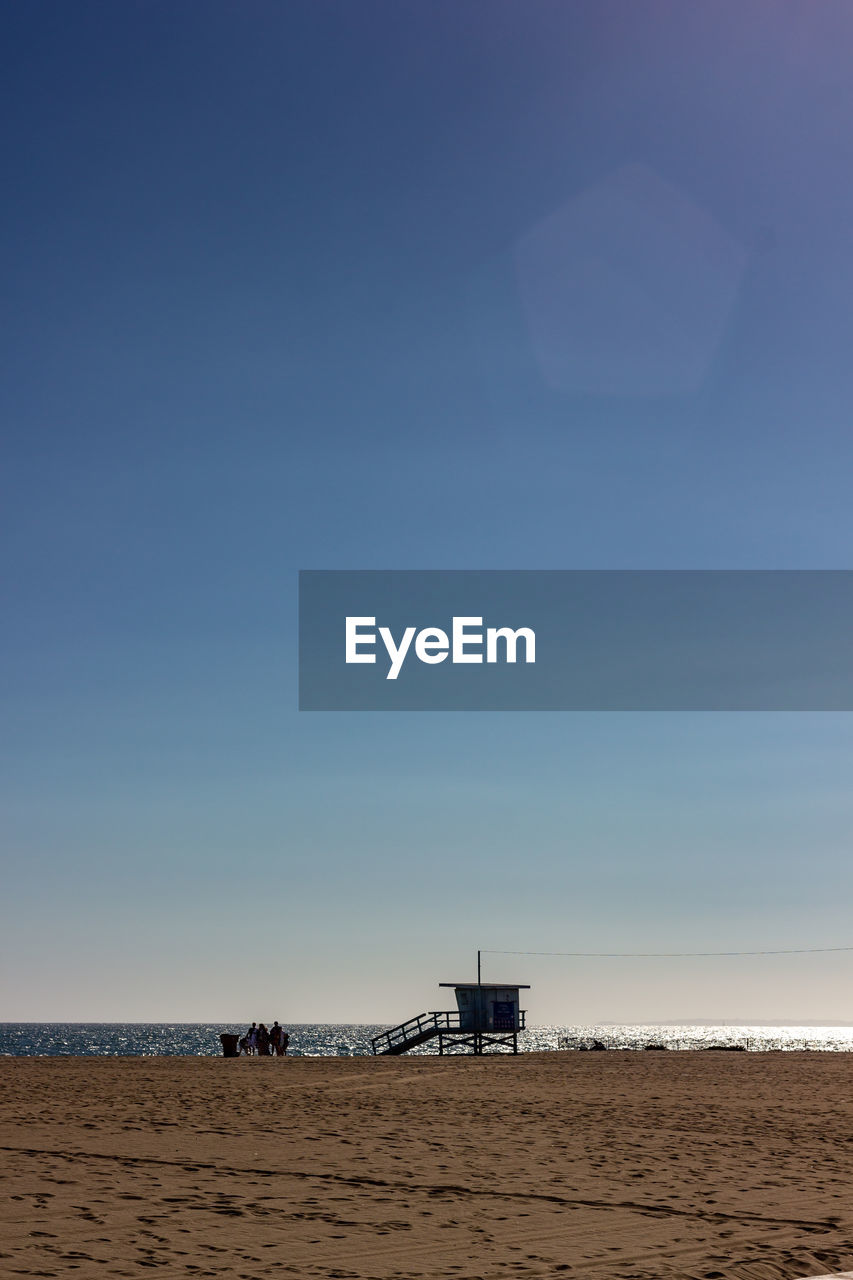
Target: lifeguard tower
[487, 1019]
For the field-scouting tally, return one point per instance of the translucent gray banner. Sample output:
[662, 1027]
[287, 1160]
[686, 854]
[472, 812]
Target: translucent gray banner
[576, 640]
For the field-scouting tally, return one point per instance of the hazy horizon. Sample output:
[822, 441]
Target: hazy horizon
[673, 1022]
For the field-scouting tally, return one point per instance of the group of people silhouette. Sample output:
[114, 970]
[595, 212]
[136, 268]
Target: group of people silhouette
[266, 1044]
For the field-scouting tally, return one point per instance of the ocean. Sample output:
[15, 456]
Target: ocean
[154, 1039]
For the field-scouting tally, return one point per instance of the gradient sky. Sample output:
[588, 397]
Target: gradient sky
[448, 285]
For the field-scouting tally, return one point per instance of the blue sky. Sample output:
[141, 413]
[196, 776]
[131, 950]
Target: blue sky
[306, 285]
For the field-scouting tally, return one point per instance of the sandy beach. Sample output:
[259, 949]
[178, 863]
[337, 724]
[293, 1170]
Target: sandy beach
[617, 1165]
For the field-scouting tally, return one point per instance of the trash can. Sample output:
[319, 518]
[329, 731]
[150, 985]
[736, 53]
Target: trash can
[229, 1045]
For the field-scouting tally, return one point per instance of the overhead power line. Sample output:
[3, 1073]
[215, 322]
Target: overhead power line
[666, 955]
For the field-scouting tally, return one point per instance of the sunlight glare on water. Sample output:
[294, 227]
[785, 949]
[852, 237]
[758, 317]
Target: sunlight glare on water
[54, 1039]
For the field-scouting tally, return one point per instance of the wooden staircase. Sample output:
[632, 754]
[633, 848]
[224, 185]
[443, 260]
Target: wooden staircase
[414, 1032]
[447, 1026]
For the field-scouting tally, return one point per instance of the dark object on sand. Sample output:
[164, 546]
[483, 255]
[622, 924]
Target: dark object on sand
[654, 1046]
[729, 1048]
[229, 1045]
[597, 1044]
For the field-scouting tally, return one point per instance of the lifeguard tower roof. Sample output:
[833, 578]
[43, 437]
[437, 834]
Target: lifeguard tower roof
[510, 986]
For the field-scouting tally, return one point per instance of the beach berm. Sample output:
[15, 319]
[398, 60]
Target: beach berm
[619, 1165]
